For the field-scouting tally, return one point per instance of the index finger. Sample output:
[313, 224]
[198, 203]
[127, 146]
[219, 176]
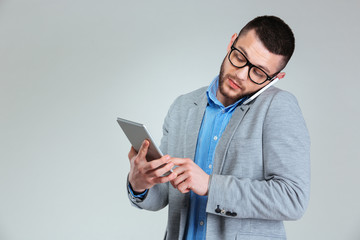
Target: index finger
[132, 153]
[179, 161]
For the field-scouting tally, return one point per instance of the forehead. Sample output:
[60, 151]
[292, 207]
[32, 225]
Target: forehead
[257, 53]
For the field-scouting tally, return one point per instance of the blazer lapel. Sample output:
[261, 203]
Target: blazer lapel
[223, 145]
[193, 124]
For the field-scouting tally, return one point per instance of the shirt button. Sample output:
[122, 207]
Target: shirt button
[210, 166]
[215, 138]
[201, 223]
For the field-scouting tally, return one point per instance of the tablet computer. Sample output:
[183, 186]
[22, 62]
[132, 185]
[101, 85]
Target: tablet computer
[137, 133]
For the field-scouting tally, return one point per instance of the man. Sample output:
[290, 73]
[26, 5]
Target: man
[241, 167]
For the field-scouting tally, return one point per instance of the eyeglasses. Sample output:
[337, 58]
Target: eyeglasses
[256, 74]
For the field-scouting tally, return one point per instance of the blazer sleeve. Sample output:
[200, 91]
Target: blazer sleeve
[283, 194]
[157, 196]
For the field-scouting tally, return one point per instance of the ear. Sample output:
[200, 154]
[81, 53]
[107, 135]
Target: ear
[233, 37]
[280, 75]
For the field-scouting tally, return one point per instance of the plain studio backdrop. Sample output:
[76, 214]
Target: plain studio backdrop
[69, 68]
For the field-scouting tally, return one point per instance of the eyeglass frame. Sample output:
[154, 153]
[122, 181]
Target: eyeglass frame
[248, 63]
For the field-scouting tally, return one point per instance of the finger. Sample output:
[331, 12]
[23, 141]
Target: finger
[132, 153]
[179, 161]
[165, 179]
[143, 149]
[184, 187]
[179, 169]
[186, 190]
[154, 164]
[181, 178]
[172, 183]
[160, 171]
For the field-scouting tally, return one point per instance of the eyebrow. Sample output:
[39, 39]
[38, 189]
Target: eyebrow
[259, 66]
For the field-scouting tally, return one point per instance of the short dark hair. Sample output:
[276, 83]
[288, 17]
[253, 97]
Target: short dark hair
[274, 33]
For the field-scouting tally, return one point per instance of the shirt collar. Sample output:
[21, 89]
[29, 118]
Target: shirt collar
[213, 101]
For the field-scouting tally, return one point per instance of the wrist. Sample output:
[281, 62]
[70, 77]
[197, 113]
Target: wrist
[135, 190]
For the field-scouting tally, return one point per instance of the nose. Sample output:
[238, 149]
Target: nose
[242, 73]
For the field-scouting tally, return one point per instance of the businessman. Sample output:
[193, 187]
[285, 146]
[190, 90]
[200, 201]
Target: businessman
[241, 165]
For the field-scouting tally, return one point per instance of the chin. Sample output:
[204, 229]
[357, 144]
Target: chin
[230, 93]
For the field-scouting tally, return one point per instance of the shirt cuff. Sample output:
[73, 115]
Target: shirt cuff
[141, 196]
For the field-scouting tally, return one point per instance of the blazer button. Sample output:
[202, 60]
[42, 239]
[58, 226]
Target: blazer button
[234, 214]
[217, 210]
[228, 213]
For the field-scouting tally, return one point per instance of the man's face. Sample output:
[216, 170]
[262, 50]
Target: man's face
[234, 83]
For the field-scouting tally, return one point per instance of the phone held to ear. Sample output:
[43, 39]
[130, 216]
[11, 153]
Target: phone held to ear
[255, 95]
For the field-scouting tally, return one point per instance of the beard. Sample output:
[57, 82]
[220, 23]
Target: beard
[222, 90]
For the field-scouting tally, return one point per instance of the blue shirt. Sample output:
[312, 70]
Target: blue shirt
[215, 120]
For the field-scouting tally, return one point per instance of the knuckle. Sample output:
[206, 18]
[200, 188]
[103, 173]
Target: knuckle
[157, 173]
[190, 180]
[168, 167]
[142, 171]
[152, 165]
[136, 160]
[176, 183]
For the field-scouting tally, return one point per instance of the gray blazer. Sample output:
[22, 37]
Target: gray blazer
[261, 170]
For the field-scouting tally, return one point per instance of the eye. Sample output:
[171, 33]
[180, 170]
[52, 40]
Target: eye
[239, 57]
[258, 72]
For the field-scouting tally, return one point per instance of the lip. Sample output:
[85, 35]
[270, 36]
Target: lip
[233, 84]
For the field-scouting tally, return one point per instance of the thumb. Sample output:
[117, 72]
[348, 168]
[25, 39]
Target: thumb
[144, 149]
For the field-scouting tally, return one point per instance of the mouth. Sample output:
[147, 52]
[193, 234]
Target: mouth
[233, 84]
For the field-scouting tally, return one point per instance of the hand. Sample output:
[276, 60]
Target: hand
[190, 177]
[143, 174]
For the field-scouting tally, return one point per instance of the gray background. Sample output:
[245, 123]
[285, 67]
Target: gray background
[69, 68]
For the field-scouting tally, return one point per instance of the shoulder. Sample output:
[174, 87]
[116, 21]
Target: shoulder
[189, 99]
[275, 98]
[281, 109]
[193, 96]
[276, 105]
[274, 93]
[183, 103]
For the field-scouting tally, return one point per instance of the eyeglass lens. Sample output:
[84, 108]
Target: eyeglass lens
[239, 60]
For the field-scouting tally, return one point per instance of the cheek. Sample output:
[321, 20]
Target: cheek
[225, 66]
